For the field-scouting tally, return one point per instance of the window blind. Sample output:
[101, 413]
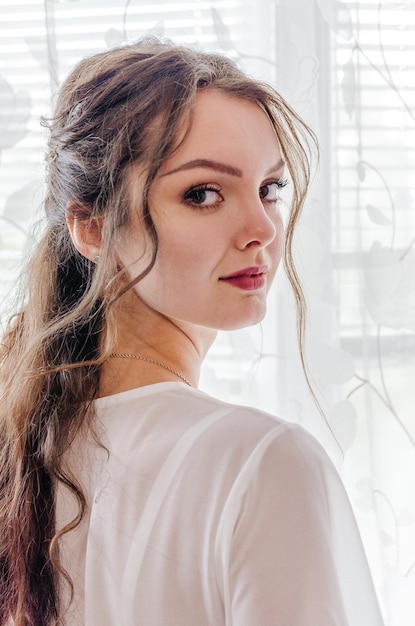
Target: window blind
[372, 164]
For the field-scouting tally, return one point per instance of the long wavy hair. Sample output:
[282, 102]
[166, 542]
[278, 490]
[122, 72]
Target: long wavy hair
[118, 108]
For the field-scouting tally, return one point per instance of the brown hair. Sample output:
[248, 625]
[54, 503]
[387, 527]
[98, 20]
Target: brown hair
[53, 348]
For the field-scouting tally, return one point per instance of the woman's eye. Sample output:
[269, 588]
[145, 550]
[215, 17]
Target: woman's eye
[203, 196]
[270, 191]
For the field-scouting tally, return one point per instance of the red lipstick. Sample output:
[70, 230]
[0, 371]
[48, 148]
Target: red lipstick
[248, 279]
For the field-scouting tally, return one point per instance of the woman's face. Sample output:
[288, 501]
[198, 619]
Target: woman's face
[214, 205]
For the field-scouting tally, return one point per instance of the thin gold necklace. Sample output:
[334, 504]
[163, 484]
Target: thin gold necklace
[140, 357]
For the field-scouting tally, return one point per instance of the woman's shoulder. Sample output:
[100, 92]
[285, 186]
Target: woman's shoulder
[176, 411]
[178, 404]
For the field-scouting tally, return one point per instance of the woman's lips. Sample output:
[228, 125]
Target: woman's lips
[249, 279]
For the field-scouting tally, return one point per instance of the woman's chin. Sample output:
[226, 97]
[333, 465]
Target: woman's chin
[244, 321]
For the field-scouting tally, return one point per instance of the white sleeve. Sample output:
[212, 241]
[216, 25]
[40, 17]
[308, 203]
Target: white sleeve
[288, 550]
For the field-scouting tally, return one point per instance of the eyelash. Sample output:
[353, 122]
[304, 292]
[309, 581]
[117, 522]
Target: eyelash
[279, 184]
[189, 196]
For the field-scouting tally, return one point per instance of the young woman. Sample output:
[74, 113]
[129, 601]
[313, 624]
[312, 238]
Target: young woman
[127, 496]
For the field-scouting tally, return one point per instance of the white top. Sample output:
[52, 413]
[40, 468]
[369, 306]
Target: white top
[201, 513]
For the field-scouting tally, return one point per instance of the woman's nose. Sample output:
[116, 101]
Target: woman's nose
[256, 225]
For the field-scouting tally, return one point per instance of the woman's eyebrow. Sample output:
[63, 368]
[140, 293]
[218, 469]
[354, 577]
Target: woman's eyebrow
[276, 168]
[218, 167]
[213, 165]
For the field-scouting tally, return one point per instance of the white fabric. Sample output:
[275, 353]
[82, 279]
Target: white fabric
[205, 513]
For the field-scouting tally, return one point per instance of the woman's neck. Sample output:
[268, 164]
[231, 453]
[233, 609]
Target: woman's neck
[168, 350]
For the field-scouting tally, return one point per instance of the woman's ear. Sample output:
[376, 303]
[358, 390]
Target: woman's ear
[86, 233]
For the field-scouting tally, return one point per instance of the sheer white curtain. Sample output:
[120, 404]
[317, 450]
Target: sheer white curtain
[349, 68]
